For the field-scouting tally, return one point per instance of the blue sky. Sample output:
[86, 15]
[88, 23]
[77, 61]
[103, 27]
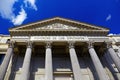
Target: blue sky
[104, 13]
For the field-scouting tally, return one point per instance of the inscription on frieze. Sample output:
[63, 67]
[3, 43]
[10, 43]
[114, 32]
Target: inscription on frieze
[59, 38]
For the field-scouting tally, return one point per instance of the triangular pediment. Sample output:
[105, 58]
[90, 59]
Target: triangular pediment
[57, 24]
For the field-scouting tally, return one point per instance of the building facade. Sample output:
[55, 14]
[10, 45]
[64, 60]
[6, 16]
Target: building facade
[59, 49]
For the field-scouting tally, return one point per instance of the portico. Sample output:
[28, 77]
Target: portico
[58, 39]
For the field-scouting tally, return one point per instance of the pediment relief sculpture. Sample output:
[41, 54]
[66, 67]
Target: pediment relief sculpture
[59, 26]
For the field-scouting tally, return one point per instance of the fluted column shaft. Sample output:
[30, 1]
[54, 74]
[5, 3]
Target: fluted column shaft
[5, 63]
[75, 63]
[113, 56]
[118, 46]
[119, 51]
[48, 62]
[98, 66]
[26, 64]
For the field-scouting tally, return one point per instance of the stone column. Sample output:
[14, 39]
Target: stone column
[26, 64]
[118, 51]
[5, 63]
[75, 63]
[113, 55]
[48, 62]
[98, 66]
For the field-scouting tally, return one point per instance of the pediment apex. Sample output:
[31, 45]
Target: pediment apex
[58, 23]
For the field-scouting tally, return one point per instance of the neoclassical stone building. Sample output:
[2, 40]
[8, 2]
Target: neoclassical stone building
[59, 49]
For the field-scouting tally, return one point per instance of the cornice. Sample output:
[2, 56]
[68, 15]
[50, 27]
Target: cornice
[58, 32]
[40, 30]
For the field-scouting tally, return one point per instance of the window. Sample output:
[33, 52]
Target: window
[1, 58]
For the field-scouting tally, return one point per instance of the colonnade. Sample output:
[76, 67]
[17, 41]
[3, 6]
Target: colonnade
[48, 61]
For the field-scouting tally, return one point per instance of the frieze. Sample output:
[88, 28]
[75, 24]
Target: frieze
[59, 38]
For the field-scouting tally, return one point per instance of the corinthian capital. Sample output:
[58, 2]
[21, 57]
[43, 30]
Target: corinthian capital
[11, 44]
[29, 44]
[108, 44]
[90, 44]
[71, 44]
[48, 44]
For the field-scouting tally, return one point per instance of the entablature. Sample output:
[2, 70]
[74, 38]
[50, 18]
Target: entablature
[59, 38]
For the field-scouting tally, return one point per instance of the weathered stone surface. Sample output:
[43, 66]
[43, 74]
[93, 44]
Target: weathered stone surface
[98, 66]
[48, 63]
[114, 57]
[26, 64]
[75, 64]
[5, 63]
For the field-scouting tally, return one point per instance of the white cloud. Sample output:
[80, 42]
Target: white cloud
[6, 8]
[18, 20]
[108, 17]
[30, 3]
